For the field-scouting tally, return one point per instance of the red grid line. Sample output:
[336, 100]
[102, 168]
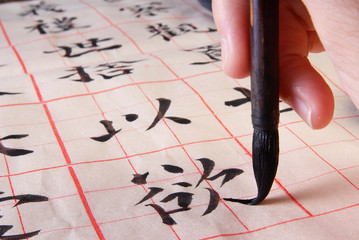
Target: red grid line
[68, 161]
[186, 150]
[107, 90]
[150, 102]
[180, 145]
[103, 115]
[228, 131]
[330, 80]
[113, 25]
[325, 161]
[60, 142]
[281, 223]
[13, 194]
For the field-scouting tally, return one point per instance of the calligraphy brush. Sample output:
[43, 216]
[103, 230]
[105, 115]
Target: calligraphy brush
[264, 35]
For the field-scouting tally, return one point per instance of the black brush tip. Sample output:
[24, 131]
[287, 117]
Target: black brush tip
[265, 148]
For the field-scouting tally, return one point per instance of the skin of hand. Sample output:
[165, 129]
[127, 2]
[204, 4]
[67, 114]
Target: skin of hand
[304, 26]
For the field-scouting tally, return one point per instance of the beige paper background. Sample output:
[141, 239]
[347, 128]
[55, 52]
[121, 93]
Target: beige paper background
[88, 183]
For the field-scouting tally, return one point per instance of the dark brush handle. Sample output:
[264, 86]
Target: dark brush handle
[264, 33]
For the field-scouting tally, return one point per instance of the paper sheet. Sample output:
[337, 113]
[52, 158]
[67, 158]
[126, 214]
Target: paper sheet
[117, 122]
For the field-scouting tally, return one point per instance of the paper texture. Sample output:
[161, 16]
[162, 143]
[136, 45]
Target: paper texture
[117, 122]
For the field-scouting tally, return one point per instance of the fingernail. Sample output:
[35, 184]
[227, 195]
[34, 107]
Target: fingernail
[224, 51]
[303, 110]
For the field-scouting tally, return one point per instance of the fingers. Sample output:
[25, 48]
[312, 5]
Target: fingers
[337, 25]
[306, 91]
[232, 21]
[300, 85]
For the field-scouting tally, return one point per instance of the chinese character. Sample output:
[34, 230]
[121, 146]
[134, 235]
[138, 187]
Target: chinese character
[162, 109]
[184, 199]
[148, 9]
[166, 32]
[213, 52]
[90, 46]
[42, 6]
[59, 25]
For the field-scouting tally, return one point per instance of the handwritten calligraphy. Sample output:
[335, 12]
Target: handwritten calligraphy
[184, 198]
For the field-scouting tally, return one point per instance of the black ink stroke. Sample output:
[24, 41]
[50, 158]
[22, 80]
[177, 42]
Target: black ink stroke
[183, 184]
[172, 168]
[5, 228]
[179, 120]
[163, 107]
[164, 104]
[208, 166]
[153, 191]
[13, 152]
[213, 201]
[140, 179]
[228, 174]
[109, 128]
[184, 199]
[165, 216]
[9, 93]
[131, 117]
[237, 102]
[25, 198]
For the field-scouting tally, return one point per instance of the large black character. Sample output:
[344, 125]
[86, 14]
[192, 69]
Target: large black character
[13, 152]
[184, 199]
[147, 9]
[166, 32]
[164, 105]
[90, 46]
[106, 70]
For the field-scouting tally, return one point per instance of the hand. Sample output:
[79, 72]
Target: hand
[305, 26]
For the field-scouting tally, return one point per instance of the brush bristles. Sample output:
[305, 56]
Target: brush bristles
[265, 148]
